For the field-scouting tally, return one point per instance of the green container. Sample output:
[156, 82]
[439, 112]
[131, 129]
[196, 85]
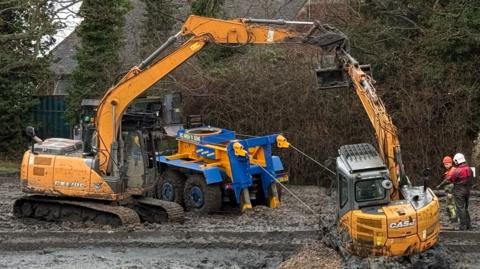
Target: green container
[49, 117]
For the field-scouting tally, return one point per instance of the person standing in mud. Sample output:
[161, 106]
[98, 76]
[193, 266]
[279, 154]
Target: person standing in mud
[462, 180]
[450, 201]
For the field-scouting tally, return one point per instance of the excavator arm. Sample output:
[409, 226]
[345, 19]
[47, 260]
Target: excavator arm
[385, 130]
[200, 31]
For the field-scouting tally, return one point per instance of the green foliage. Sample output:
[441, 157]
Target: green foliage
[158, 23]
[207, 8]
[424, 55]
[9, 166]
[458, 24]
[101, 34]
[454, 43]
[24, 30]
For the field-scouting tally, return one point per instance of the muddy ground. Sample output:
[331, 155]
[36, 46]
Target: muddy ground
[287, 238]
[262, 238]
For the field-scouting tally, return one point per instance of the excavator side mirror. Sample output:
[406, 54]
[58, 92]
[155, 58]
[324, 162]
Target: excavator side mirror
[387, 184]
[427, 172]
[30, 131]
[426, 177]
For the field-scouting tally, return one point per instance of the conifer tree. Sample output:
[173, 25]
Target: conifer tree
[101, 34]
[157, 24]
[26, 27]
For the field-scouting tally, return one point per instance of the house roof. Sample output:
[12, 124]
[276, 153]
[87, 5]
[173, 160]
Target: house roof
[63, 55]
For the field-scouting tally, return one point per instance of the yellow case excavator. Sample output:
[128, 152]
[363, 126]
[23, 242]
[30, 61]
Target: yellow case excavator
[379, 211]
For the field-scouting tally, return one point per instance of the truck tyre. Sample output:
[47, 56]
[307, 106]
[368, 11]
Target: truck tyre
[200, 197]
[170, 186]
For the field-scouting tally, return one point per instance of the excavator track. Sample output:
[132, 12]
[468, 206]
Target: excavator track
[53, 209]
[155, 210]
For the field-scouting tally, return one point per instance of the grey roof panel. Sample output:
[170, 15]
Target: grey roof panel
[63, 55]
[361, 157]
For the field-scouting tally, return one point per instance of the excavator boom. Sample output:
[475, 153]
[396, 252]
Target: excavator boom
[200, 31]
[120, 163]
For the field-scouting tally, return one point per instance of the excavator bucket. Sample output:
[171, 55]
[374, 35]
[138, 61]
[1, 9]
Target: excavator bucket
[331, 78]
[330, 74]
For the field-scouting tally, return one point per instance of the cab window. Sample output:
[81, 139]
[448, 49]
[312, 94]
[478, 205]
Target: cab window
[343, 191]
[369, 190]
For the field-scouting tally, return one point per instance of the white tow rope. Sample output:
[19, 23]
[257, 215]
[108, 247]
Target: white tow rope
[287, 189]
[312, 159]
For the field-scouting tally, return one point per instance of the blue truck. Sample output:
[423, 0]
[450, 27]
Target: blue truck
[212, 166]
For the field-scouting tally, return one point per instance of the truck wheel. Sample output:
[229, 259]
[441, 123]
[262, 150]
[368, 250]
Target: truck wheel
[170, 186]
[200, 197]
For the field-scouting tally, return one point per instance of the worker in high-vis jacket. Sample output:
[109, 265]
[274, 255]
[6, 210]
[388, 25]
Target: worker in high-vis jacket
[449, 199]
[462, 180]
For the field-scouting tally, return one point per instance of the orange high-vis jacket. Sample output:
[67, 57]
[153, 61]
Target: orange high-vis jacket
[449, 173]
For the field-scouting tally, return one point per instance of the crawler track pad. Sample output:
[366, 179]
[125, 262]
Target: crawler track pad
[174, 212]
[53, 209]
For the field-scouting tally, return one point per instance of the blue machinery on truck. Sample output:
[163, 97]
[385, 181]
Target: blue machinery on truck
[243, 169]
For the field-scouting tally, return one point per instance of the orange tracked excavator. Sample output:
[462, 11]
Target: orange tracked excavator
[108, 184]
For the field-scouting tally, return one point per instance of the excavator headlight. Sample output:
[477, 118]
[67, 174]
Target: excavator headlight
[387, 184]
[379, 240]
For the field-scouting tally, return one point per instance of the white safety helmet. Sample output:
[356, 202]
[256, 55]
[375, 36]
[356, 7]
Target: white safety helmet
[458, 158]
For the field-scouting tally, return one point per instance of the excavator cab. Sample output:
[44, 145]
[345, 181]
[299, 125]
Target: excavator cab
[363, 179]
[148, 126]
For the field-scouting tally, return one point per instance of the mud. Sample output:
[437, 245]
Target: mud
[290, 216]
[141, 257]
[287, 237]
[262, 238]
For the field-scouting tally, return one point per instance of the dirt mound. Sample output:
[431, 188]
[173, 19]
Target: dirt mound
[316, 255]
